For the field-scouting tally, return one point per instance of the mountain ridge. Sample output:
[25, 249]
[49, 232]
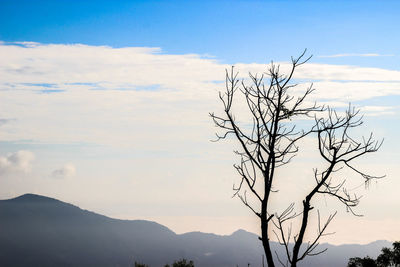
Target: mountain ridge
[50, 232]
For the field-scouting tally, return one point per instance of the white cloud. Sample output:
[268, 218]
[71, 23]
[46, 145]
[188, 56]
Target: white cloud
[354, 91]
[378, 110]
[129, 96]
[4, 121]
[68, 170]
[17, 162]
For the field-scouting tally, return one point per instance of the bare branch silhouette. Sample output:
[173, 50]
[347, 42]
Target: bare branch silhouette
[272, 142]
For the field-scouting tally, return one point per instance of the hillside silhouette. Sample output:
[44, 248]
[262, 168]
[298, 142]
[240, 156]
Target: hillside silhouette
[42, 231]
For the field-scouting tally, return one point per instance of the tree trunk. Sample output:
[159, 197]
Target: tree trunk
[296, 249]
[265, 241]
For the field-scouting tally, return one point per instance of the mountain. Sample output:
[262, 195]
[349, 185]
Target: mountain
[41, 231]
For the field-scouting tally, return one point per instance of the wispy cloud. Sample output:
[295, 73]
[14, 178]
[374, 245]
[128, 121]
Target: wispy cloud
[68, 170]
[142, 91]
[20, 161]
[4, 121]
[355, 55]
[378, 110]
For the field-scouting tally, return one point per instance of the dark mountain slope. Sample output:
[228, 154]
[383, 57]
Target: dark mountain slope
[36, 230]
[41, 231]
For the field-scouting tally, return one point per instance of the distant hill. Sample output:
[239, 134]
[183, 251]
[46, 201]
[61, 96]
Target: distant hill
[41, 231]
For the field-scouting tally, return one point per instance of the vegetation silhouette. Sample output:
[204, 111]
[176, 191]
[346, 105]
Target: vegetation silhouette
[179, 263]
[272, 140]
[137, 264]
[362, 262]
[387, 258]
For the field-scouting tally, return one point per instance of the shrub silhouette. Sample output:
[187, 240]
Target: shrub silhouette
[181, 263]
[388, 257]
[362, 262]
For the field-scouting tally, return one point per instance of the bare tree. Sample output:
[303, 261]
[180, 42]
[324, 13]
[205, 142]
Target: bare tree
[272, 141]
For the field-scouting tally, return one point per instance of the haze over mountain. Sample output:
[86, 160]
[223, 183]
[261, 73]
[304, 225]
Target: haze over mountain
[41, 231]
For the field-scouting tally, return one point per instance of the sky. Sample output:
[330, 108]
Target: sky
[104, 104]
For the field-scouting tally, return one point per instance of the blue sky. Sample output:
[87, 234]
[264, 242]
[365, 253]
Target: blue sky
[270, 29]
[104, 103]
